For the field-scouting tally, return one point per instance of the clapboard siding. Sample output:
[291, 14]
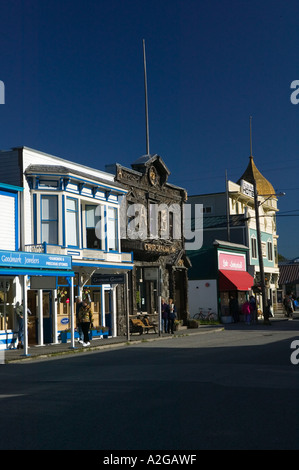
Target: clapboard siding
[10, 172]
[7, 223]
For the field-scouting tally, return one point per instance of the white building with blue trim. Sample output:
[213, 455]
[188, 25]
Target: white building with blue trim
[17, 266]
[70, 210]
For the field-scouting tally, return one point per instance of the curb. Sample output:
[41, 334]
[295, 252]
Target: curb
[63, 354]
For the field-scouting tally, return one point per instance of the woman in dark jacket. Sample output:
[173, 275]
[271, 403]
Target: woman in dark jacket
[171, 316]
[86, 321]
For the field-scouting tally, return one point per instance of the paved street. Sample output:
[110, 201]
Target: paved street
[229, 389]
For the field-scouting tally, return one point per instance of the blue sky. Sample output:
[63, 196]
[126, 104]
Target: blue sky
[73, 75]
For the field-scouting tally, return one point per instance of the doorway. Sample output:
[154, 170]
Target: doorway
[108, 309]
[47, 319]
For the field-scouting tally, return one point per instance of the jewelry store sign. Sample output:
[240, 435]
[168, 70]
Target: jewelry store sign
[17, 259]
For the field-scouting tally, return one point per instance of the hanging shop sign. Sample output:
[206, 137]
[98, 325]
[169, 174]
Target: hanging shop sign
[247, 188]
[42, 282]
[160, 249]
[100, 279]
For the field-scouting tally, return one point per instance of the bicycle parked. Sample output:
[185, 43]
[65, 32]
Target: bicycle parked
[205, 315]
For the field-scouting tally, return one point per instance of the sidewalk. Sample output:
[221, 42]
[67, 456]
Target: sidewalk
[62, 350]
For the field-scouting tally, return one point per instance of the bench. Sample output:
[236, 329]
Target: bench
[141, 325]
[148, 325]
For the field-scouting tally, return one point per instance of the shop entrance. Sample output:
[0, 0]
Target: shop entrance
[108, 310]
[147, 290]
[33, 323]
[47, 317]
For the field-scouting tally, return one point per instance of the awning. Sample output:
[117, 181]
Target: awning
[235, 280]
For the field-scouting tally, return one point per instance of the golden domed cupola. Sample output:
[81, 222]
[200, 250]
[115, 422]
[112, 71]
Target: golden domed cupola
[251, 174]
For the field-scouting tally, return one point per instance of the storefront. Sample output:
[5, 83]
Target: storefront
[152, 222]
[218, 274]
[234, 281]
[102, 286]
[30, 278]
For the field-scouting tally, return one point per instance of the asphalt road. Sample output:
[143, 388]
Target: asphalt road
[232, 389]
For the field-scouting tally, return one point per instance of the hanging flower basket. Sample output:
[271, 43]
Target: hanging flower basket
[86, 294]
[62, 294]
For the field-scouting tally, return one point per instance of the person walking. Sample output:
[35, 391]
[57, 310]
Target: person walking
[171, 316]
[253, 309]
[86, 321]
[246, 312]
[164, 315]
[289, 306]
[20, 316]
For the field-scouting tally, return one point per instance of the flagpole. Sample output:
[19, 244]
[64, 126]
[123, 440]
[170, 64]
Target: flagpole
[146, 101]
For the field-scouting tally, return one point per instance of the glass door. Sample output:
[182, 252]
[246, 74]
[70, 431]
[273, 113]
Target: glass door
[108, 310]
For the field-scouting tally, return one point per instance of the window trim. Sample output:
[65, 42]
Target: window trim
[270, 251]
[67, 211]
[253, 248]
[101, 240]
[42, 220]
[116, 227]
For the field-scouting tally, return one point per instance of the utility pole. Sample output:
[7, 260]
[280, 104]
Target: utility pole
[146, 101]
[260, 254]
[227, 207]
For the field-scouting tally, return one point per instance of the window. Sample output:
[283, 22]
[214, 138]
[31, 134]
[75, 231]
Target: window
[270, 250]
[264, 249]
[49, 219]
[93, 227]
[171, 228]
[253, 247]
[112, 229]
[72, 221]
[48, 184]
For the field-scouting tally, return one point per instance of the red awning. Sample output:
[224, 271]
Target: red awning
[235, 280]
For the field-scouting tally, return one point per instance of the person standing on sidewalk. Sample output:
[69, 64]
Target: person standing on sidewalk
[86, 321]
[171, 316]
[253, 309]
[164, 314]
[79, 304]
[20, 316]
[289, 306]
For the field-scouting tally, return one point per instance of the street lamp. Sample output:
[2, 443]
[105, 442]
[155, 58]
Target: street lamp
[259, 244]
